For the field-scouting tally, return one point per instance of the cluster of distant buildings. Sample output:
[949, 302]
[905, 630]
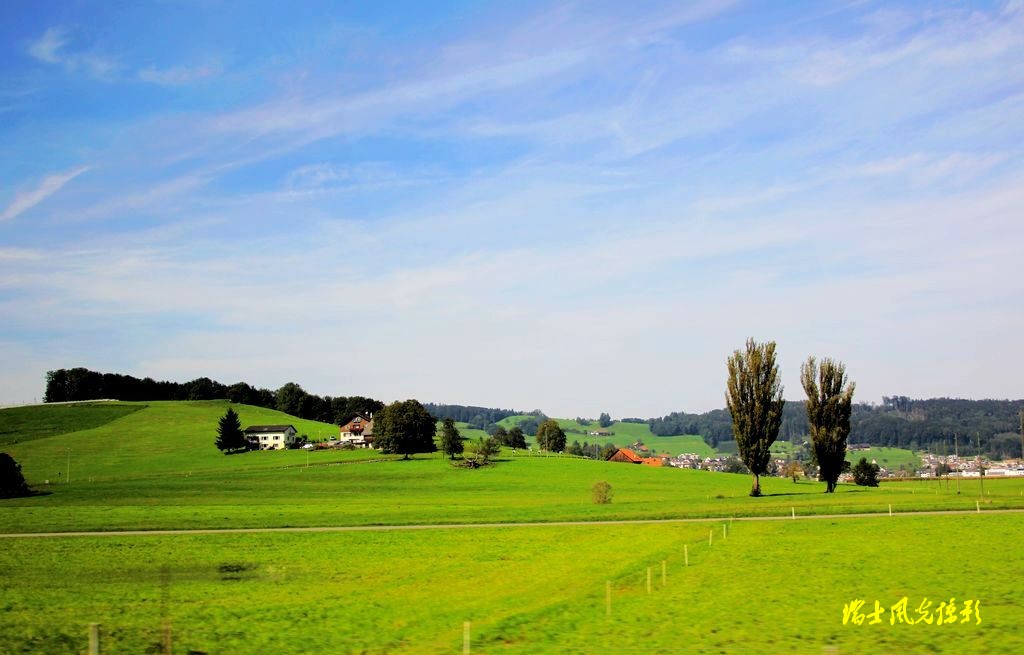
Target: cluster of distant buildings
[717, 463]
[357, 432]
[970, 467]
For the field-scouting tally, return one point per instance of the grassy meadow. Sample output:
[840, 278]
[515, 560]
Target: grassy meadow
[156, 467]
[769, 587]
[890, 458]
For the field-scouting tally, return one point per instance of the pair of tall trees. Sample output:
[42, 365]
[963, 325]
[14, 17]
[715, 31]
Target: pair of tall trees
[754, 398]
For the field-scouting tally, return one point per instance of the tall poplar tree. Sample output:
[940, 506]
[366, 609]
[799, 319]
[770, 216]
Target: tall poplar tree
[754, 397]
[829, 404]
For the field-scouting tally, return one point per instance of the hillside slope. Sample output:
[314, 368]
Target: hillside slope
[135, 439]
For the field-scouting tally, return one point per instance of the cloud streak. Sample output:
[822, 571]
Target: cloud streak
[25, 200]
[554, 201]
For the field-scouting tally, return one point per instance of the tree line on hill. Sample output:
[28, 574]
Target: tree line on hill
[486, 418]
[899, 422]
[75, 384]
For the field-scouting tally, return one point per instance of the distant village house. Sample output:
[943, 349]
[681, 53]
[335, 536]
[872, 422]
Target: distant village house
[628, 456]
[270, 437]
[358, 431]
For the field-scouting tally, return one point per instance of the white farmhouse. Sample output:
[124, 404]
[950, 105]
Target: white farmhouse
[270, 437]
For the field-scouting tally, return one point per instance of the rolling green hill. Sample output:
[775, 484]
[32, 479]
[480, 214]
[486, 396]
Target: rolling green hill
[107, 441]
[624, 435]
[20, 424]
[890, 458]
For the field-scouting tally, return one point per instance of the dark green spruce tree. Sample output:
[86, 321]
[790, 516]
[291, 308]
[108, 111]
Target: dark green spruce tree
[451, 440]
[754, 397]
[230, 438]
[829, 404]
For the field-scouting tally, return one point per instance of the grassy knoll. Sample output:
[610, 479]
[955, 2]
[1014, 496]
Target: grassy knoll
[688, 443]
[19, 424]
[146, 439]
[770, 587]
[890, 458]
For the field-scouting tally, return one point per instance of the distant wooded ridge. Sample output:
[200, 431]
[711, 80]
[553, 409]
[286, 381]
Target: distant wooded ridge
[75, 384]
[899, 422]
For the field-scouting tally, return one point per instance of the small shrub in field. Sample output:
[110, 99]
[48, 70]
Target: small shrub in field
[602, 492]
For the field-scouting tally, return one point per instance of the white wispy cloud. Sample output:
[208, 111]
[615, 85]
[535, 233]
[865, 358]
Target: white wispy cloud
[25, 200]
[52, 48]
[47, 48]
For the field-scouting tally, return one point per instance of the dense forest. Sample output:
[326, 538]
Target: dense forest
[900, 422]
[73, 384]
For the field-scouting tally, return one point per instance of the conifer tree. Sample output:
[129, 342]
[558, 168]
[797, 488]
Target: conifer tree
[451, 440]
[230, 438]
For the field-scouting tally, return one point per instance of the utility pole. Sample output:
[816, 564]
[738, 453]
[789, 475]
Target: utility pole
[956, 446]
[981, 467]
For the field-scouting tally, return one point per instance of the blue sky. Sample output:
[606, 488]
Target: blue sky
[578, 207]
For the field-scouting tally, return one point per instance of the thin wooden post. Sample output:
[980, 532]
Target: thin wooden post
[465, 638]
[608, 598]
[793, 509]
[711, 533]
[686, 554]
[168, 647]
[664, 573]
[94, 639]
[648, 579]
[977, 505]
[890, 509]
[724, 533]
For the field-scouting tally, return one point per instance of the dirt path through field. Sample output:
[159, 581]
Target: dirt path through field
[475, 526]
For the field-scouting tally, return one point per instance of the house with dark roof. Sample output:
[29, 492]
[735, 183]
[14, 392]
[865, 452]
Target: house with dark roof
[270, 437]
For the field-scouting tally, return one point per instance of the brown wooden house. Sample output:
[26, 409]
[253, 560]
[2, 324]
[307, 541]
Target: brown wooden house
[358, 431]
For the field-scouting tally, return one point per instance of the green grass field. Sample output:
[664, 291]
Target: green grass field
[769, 587]
[20, 424]
[124, 475]
[625, 435]
[890, 458]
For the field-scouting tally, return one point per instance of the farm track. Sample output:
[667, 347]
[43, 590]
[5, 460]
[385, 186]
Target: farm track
[465, 526]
